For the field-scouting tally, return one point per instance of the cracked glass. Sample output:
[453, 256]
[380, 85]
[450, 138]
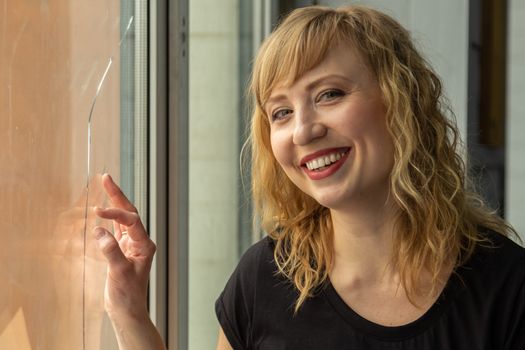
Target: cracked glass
[66, 106]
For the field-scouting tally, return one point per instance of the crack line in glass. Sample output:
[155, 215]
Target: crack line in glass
[88, 175]
[99, 88]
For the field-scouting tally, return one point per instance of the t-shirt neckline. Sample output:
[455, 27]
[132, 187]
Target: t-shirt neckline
[395, 333]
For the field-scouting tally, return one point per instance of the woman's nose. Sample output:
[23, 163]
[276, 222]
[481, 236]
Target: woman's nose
[308, 127]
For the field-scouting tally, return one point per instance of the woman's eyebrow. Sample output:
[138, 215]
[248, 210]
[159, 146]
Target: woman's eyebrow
[310, 86]
[275, 99]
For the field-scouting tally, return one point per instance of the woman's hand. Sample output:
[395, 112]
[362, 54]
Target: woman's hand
[129, 254]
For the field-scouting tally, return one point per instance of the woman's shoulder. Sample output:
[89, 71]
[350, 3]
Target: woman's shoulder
[255, 263]
[501, 252]
[495, 289]
[260, 253]
[238, 302]
[496, 268]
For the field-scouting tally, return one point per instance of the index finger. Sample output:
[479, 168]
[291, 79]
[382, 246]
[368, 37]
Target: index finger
[116, 196]
[130, 220]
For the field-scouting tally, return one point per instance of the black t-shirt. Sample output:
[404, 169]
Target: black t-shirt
[481, 307]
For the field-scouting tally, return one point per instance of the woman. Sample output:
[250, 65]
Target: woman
[374, 242]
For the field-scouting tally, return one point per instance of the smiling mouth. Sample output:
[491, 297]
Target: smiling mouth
[323, 162]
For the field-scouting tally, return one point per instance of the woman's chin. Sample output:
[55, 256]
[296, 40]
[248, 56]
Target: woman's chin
[331, 201]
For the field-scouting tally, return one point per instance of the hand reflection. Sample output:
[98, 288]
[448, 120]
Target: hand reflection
[79, 269]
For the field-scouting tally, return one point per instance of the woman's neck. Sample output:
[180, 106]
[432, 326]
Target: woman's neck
[362, 242]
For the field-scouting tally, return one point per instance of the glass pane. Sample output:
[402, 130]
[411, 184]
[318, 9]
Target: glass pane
[60, 64]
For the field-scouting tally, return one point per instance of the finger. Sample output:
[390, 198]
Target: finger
[117, 231]
[122, 216]
[131, 220]
[116, 196]
[110, 249]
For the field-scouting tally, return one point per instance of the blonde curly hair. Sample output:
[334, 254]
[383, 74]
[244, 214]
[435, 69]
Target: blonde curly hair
[440, 218]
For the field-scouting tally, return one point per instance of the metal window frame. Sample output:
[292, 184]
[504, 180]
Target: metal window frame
[168, 172]
[140, 108]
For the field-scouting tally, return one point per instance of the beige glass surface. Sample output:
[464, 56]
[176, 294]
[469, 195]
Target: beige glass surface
[53, 55]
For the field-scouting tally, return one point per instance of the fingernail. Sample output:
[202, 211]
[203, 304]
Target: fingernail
[99, 233]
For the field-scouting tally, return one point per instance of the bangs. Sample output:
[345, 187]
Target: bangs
[298, 45]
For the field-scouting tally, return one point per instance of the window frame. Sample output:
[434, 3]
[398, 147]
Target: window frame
[168, 176]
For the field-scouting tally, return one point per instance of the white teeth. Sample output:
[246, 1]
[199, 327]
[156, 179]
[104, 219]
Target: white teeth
[324, 161]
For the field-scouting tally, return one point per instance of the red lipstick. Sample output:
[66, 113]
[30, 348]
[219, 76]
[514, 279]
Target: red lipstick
[326, 170]
[323, 152]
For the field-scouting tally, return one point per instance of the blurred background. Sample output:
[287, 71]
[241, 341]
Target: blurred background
[153, 92]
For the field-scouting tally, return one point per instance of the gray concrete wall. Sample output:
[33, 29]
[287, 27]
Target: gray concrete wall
[213, 164]
[515, 190]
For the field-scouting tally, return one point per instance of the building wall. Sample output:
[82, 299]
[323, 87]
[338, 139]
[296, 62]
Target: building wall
[213, 163]
[515, 171]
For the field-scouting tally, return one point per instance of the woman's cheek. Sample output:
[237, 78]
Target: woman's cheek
[279, 148]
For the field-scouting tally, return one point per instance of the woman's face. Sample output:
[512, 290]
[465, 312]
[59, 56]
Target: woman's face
[328, 132]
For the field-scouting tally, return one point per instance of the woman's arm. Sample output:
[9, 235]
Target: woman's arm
[137, 334]
[223, 343]
[129, 254]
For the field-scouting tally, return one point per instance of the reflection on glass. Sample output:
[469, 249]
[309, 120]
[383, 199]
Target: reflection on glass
[53, 55]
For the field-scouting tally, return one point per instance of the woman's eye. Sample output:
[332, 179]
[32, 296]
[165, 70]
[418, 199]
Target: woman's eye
[281, 114]
[329, 95]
